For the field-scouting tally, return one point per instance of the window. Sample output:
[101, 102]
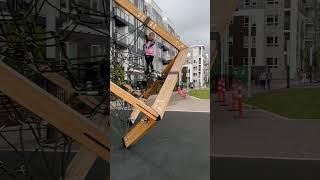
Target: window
[253, 42]
[246, 22]
[98, 52]
[245, 61]
[272, 2]
[254, 2]
[247, 2]
[253, 61]
[199, 60]
[272, 20]
[272, 41]
[253, 52]
[245, 42]
[230, 61]
[269, 41]
[276, 42]
[71, 50]
[272, 62]
[230, 41]
[199, 50]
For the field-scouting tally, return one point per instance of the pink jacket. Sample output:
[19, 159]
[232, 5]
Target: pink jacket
[149, 48]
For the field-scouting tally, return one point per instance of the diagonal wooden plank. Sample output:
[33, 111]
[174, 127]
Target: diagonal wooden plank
[83, 160]
[163, 33]
[53, 111]
[148, 111]
[135, 113]
[160, 103]
[66, 85]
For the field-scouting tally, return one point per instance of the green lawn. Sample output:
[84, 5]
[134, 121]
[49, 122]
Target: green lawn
[292, 103]
[201, 94]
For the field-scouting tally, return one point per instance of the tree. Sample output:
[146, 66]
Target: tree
[25, 42]
[118, 75]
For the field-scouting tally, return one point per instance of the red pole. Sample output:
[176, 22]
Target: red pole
[224, 92]
[219, 91]
[233, 108]
[240, 101]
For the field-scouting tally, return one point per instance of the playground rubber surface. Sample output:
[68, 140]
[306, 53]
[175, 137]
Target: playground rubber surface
[176, 148]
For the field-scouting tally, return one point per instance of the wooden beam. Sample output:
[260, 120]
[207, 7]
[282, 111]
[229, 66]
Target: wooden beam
[158, 82]
[66, 85]
[148, 111]
[160, 103]
[135, 113]
[164, 34]
[54, 111]
[82, 162]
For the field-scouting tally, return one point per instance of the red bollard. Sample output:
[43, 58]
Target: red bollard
[219, 91]
[184, 93]
[233, 105]
[240, 101]
[224, 93]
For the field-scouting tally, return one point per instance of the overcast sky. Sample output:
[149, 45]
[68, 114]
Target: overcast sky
[191, 19]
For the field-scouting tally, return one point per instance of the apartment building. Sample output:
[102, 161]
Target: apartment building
[271, 34]
[123, 23]
[196, 69]
[84, 44]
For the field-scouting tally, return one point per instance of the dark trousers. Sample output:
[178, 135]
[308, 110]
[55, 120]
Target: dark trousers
[263, 84]
[149, 60]
[269, 84]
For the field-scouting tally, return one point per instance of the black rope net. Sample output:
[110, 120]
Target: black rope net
[125, 64]
[29, 147]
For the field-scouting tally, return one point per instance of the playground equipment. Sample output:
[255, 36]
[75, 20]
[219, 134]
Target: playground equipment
[33, 108]
[169, 78]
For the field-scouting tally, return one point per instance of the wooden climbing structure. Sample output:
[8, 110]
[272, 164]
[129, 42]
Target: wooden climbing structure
[168, 80]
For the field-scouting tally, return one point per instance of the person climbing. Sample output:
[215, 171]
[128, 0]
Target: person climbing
[149, 50]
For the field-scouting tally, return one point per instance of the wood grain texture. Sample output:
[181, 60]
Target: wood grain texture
[54, 111]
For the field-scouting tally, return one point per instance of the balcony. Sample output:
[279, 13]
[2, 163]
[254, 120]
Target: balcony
[121, 17]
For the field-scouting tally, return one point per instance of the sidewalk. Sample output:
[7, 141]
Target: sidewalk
[262, 134]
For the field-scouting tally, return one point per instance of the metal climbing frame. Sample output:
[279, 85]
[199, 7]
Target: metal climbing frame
[170, 76]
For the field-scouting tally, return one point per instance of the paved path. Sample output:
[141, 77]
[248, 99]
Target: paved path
[188, 104]
[264, 135]
[176, 149]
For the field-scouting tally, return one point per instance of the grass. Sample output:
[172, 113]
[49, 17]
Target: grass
[201, 94]
[299, 103]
